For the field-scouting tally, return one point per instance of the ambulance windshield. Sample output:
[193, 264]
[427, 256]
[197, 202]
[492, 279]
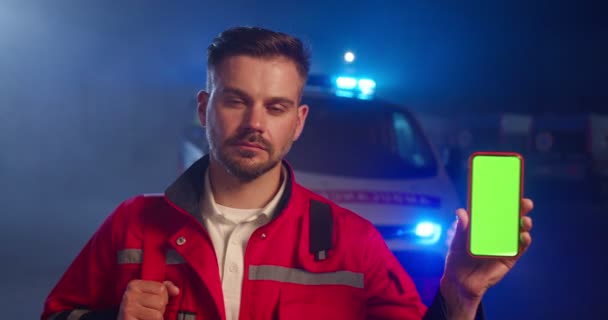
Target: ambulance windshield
[358, 138]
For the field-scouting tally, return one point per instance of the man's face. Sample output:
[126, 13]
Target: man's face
[251, 113]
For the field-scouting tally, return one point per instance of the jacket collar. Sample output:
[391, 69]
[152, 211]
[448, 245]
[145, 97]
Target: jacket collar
[187, 189]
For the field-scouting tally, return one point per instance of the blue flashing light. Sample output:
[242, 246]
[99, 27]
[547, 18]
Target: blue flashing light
[352, 87]
[345, 93]
[366, 86]
[425, 229]
[428, 232]
[365, 96]
[346, 83]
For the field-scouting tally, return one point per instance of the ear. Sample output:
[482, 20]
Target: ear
[202, 99]
[300, 120]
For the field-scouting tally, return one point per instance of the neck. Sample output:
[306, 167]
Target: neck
[230, 191]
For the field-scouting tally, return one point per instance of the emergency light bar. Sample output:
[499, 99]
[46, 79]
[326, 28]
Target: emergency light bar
[346, 83]
[362, 88]
[364, 85]
[343, 86]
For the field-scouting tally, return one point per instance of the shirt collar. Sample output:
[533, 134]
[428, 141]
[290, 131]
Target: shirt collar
[185, 192]
[209, 207]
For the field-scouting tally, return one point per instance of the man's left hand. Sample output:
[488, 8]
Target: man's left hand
[466, 278]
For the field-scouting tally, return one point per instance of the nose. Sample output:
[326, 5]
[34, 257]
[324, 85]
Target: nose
[255, 118]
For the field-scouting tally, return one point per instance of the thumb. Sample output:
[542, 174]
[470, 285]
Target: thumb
[172, 289]
[463, 220]
[459, 239]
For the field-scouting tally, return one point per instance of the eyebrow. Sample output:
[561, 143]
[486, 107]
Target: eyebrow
[243, 95]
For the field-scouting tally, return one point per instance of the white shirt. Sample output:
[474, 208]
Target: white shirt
[230, 230]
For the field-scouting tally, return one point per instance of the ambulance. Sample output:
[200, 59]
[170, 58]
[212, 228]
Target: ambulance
[372, 157]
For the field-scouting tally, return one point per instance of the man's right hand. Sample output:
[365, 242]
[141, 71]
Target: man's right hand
[146, 300]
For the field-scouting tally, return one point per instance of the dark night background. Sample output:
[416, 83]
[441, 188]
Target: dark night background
[94, 96]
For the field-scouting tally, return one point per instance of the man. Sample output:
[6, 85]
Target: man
[235, 237]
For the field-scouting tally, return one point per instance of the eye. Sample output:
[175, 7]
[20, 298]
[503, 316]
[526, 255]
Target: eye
[276, 109]
[234, 102]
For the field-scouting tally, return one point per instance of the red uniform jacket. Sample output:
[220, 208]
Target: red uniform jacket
[160, 238]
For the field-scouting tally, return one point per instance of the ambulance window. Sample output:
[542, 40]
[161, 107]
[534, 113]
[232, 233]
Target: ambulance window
[406, 144]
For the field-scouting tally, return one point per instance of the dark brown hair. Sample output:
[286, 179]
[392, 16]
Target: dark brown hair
[258, 42]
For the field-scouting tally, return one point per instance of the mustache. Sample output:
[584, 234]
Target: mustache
[249, 137]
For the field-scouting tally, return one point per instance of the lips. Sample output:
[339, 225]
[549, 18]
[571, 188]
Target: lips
[250, 145]
[250, 140]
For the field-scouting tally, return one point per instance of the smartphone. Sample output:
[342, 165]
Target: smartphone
[494, 201]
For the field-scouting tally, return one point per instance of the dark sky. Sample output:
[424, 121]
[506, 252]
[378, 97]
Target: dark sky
[505, 55]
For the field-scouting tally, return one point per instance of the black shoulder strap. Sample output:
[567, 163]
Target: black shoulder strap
[321, 229]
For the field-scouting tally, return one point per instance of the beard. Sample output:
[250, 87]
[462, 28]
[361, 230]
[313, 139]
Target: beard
[242, 163]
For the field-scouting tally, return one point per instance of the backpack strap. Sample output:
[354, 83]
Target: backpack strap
[153, 260]
[321, 229]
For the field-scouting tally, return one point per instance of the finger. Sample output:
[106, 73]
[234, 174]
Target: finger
[172, 289]
[526, 223]
[151, 287]
[526, 206]
[152, 301]
[525, 240]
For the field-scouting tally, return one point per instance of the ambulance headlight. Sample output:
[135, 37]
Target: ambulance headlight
[428, 232]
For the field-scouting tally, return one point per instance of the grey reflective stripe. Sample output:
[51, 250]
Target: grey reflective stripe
[173, 257]
[126, 256]
[297, 276]
[76, 314]
[186, 316]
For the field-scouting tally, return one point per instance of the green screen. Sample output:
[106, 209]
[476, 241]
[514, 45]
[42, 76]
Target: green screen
[495, 200]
